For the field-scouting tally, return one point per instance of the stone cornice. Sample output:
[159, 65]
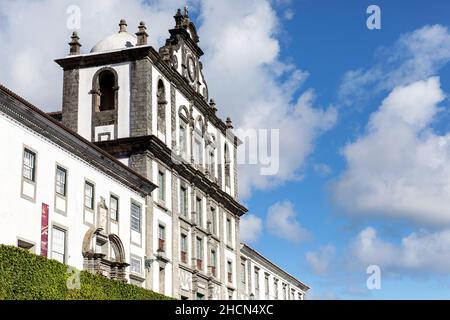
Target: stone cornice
[126, 146]
[256, 256]
[142, 52]
[35, 119]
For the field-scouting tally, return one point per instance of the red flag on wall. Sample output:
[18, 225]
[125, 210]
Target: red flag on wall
[44, 230]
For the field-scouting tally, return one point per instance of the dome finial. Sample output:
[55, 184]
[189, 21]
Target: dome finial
[123, 25]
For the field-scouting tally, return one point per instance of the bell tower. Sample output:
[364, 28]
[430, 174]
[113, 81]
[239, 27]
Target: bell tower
[107, 92]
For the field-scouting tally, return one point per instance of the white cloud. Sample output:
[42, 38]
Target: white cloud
[319, 261]
[322, 169]
[418, 252]
[251, 228]
[415, 56]
[400, 167]
[281, 222]
[242, 65]
[244, 71]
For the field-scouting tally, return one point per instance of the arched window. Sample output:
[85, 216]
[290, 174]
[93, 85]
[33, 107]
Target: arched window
[227, 162]
[183, 134]
[161, 96]
[106, 81]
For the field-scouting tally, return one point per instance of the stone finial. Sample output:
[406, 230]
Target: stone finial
[74, 44]
[212, 105]
[186, 12]
[123, 26]
[142, 34]
[178, 18]
[165, 53]
[229, 123]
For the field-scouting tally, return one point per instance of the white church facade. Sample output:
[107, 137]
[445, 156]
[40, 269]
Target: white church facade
[136, 177]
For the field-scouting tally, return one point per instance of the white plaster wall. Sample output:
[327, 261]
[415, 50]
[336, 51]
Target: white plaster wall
[22, 218]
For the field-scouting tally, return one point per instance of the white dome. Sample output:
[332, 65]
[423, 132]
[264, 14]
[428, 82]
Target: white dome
[121, 40]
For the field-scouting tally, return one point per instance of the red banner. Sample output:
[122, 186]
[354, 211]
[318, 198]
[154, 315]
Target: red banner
[44, 230]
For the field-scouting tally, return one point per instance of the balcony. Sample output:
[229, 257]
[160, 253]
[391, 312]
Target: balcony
[161, 245]
[213, 271]
[183, 256]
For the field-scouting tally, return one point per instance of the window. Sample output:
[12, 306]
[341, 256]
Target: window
[136, 266]
[59, 244]
[275, 288]
[107, 81]
[114, 205]
[161, 97]
[243, 278]
[89, 195]
[183, 138]
[266, 286]
[199, 211]
[227, 167]
[25, 245]
[198, 152]
[230, 271]
[200, 296]
[183, 201]
[229, 234]
[161, 238]
[213, 226]
[284, 292]
[61, 176]
[29, 162]
[213, 262]
[257, 283]
[199, 253]
[135, 217]
[211, 163]
[161, 185]
[183, 248]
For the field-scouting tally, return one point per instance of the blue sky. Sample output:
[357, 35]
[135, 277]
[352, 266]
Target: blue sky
[329, 38]
[363, 119]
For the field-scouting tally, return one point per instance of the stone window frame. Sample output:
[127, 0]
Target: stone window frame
[213, 230]
[184, 233]
[198, 136]
[214, 248]
[66, 186]
[164, 226]
[162, 191]
[243, 274]
[266, 285]
[229, 232]
[115, 196]
[139, 205]
[183, 122]
[141, 224]
[55, 225]
[230, 274]
[136, 257]
[96, 115]
[199, 196]
[227, 165]
[35, 174]
[32, 244]
[91, 183]
[183, 185]
[162, 80]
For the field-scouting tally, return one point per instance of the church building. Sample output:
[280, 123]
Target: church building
[136, 178]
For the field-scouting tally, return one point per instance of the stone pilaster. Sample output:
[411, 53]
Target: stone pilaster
[222, 260]
[175, 237]
[70, 99]
[173, 114]
[140, 97]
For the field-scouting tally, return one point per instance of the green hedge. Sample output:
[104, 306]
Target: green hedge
[24, 275]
